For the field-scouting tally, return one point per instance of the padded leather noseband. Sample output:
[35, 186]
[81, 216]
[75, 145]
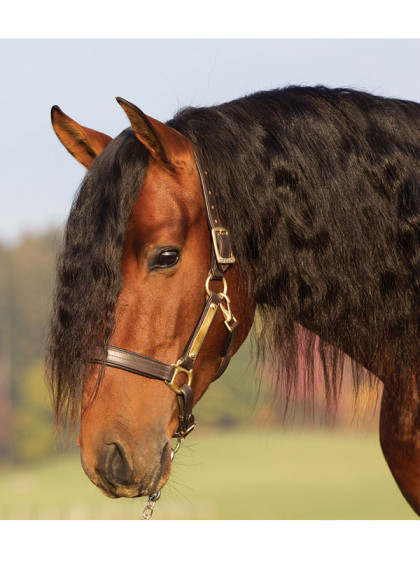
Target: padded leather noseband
[220, 260]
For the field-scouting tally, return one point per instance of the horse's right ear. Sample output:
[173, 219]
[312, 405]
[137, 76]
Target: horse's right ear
[82, 143]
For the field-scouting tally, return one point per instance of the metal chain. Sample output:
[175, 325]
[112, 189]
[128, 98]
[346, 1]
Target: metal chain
[148, 509]
[152, 499]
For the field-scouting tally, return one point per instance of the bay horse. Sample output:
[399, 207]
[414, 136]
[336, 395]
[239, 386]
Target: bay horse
[300, 205]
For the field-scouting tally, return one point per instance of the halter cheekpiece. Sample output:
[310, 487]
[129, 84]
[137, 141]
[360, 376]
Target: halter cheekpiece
[220, 260]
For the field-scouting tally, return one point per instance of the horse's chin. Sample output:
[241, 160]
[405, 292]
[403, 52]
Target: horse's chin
[120, 492]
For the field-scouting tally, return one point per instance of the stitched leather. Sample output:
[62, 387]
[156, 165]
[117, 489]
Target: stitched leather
[186, 361]
[227, 350]
[185, 405]
[222, 238]
[136, 364]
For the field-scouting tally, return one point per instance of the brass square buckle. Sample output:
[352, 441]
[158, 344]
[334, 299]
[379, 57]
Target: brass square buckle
[219, 258]
[178, 369]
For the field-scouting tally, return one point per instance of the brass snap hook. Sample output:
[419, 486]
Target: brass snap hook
[227, 312]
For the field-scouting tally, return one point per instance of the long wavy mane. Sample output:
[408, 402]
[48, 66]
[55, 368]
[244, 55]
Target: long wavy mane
[89, 277]
[320, 190]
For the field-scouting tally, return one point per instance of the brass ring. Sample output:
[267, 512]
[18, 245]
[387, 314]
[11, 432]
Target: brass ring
[209, 278]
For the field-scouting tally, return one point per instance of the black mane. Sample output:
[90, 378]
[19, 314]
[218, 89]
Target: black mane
[88, 269]
[320, 191]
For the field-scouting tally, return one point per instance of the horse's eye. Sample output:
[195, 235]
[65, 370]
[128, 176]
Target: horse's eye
[168, 258]
[164, 259]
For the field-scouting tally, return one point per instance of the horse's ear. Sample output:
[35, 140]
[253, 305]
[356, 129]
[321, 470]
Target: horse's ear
[82, 143]
[166, 145]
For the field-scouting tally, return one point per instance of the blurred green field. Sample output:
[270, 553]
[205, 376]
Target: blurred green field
[236, 474]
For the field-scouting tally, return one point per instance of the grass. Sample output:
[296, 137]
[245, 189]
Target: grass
[236, 474]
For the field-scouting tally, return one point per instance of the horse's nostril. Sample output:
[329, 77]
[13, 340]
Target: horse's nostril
[117, 469]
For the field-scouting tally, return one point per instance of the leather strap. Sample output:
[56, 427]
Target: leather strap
[227, 351]
[222, 255]
[136, 364]
[151, 368]
[186, 421]
[189, 356]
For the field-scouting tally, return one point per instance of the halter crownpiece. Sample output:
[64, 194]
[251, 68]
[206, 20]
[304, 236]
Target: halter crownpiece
[221, 258]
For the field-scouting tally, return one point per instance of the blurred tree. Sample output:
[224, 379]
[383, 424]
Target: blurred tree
[26, 280]
[32, 266]
[34, 430]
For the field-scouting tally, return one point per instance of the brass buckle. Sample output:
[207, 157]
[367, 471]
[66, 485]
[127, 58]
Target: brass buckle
[219, 258]
[178, 369]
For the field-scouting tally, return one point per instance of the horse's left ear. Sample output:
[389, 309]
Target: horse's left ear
[82, 143]
[166, 145]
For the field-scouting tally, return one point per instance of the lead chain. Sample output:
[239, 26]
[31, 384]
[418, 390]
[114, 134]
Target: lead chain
[148, 509]
[152, 499]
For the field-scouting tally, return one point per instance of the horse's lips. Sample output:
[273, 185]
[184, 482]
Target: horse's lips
[120, 491]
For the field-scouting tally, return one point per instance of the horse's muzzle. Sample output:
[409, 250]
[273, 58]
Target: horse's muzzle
[118, 474]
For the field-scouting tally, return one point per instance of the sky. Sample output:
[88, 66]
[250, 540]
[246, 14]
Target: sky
[38, 178]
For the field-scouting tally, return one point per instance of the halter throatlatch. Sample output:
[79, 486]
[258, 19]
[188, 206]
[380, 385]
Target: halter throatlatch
[220, 260]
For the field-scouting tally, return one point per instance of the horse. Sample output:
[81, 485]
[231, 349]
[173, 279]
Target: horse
[298, 207]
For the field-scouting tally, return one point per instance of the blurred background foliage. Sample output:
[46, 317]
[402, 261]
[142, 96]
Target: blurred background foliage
[26, 433]
[26, 282]
[243, 437]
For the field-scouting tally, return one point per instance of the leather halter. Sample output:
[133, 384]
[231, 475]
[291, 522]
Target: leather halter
[220, 260]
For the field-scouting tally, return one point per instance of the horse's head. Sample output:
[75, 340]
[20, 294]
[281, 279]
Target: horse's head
[162, 310]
